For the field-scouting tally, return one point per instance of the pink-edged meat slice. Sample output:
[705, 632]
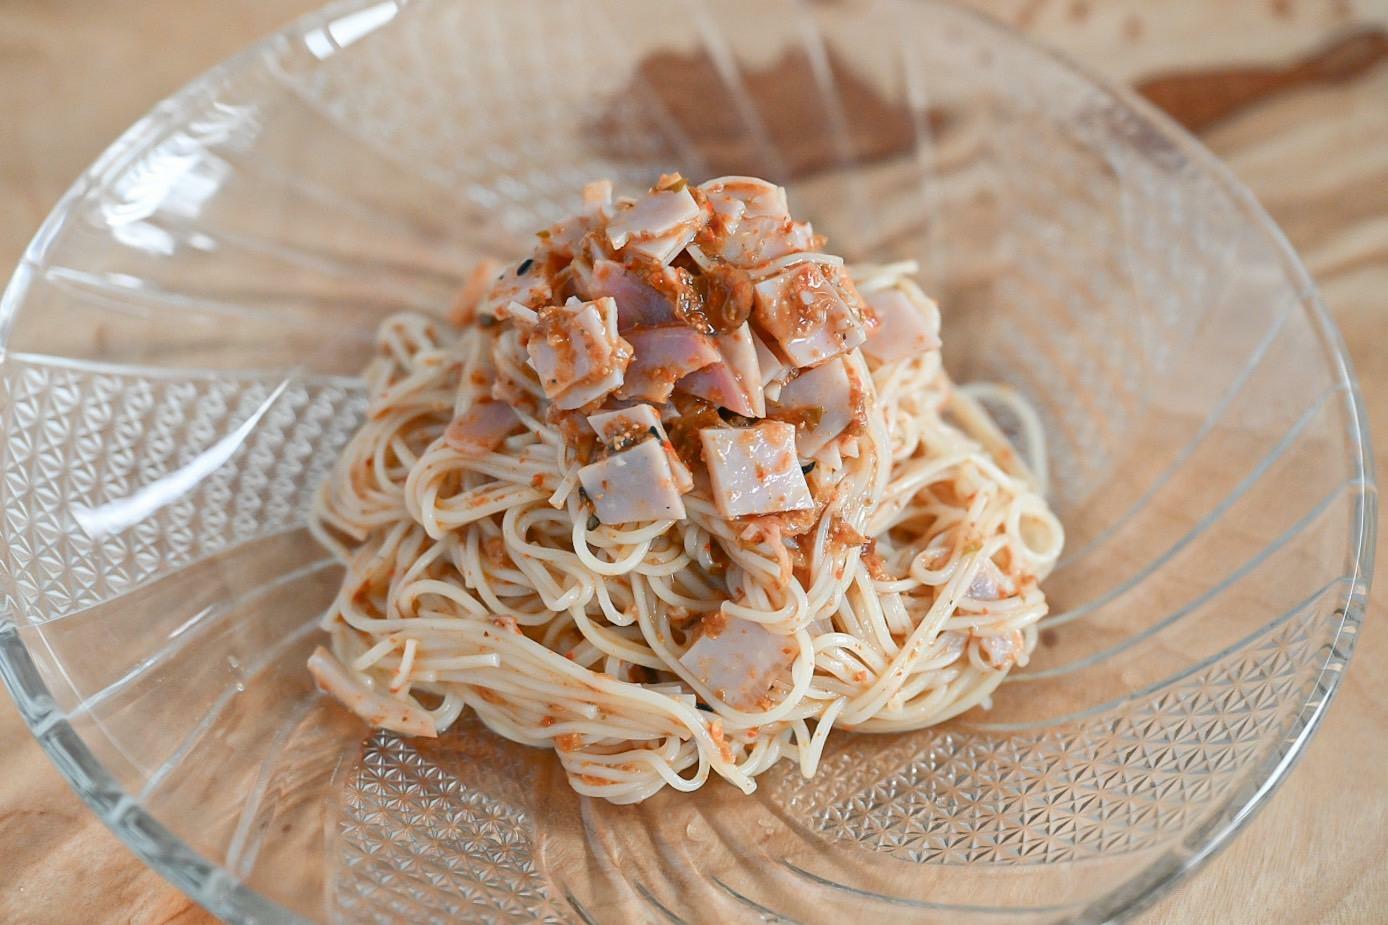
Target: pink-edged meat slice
[658, 226]
[770, 365]
[739, 662]
[734, 380]
[735, 197]
[634, 485]
[663, 356]
[637, 303]
[774, 371]
[751, 223]
[904, 329]
[577, 352]
[820, 403]
[629, 426]
[754, 470]
[481, 428]
[597, 197]
[529, 288]
[811, 312]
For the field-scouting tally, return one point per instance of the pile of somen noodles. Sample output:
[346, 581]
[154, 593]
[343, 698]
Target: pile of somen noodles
[677, 493]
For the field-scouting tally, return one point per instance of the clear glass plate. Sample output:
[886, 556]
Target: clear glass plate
[180, 344]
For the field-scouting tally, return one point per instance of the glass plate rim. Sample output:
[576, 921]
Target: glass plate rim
[222, 894]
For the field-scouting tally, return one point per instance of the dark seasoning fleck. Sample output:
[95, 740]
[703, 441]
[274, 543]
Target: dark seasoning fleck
[525, 266]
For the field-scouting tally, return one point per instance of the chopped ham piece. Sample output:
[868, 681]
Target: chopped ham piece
[829, 458]
[577, 352]
[1003, 652]
[637, 302]
[377, 709]
[738, 196]
[479, 282]
[562, 239]
[903, 329]
[625, 426]
[520, 314]
[481, 428]
[987, 583]
[751, 223]
[759, 240]
[628, 426]
[658, 226]
[529, 288]
[727, 208]
[754, 470]
[664, 356]
[636, 484]
[734, 381]
[597, 197]
[811, 311]
[740, 662]
[819, 402]
[770, 365]
[774, 372]
[800, 238]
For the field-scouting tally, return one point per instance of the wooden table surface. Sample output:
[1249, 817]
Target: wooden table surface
[1293, 94]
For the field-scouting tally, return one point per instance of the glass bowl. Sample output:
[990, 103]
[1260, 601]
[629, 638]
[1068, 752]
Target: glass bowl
[180, 345]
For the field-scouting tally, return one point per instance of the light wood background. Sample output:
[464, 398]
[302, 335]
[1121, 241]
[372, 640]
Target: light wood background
[1293, 94]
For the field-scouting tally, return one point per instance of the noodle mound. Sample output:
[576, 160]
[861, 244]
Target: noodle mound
[830, 533]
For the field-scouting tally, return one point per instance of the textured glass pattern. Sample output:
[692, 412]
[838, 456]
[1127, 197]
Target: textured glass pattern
[106, 440]
[461, 854]
[1118, 782]
[180, 351]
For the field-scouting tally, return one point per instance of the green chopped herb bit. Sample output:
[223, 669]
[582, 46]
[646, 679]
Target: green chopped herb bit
[593, 522]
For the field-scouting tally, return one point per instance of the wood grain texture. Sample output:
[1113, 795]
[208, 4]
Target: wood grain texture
[1293, 94]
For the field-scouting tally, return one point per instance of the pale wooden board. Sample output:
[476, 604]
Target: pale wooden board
[1313, 145]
